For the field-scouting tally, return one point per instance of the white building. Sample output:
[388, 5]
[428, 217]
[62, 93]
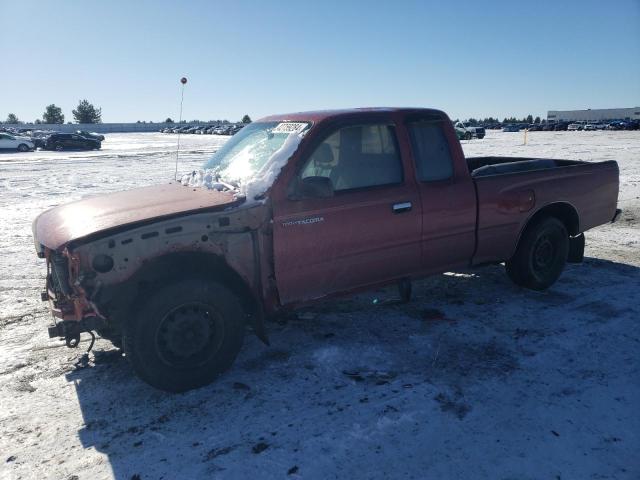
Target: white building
[594, 115]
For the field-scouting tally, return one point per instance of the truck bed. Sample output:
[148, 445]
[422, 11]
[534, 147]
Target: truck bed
[509, 190]
[483, 166]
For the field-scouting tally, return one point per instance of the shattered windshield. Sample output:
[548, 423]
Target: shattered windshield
[256, 154]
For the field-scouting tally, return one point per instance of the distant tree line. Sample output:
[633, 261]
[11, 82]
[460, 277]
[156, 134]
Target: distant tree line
[245, 119]
[85, 112]
[490, 120]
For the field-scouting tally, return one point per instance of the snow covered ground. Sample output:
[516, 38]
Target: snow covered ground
[473, 379]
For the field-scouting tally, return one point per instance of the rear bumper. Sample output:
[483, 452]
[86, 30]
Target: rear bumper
[616, 215]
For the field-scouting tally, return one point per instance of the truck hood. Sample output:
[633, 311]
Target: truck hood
[77, 220]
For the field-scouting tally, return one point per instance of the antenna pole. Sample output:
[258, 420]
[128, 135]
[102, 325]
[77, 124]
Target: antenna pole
[183, 81]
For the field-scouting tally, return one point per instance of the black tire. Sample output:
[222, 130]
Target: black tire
[57, 147]
[23, 147]
[185, 334]
[468, 135]
[541, 255]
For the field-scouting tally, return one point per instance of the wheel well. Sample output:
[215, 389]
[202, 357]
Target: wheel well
[182, 264]
[563, 211]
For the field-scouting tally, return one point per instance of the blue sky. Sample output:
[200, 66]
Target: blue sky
[469, 58]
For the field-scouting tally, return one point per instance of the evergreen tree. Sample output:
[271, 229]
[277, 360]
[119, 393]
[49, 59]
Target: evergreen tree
[12, 118]
[87, 113]
[537, 120]
[246, 119]
[53, 114]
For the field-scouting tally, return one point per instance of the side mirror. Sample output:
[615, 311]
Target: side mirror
[316, 187]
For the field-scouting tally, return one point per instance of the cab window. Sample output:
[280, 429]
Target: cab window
[430, 151]
[357, 157]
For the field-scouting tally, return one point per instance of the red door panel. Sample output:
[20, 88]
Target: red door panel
[447, 194]
[351, 240]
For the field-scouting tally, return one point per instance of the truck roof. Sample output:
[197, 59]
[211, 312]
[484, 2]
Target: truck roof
[322, 115]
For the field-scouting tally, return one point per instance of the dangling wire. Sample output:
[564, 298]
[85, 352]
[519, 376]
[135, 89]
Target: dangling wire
[183, 81]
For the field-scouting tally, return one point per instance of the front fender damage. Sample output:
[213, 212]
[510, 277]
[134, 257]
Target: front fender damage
[86, 294]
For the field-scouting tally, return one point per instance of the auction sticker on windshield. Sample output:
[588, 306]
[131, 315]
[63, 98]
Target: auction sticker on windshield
[289, 127]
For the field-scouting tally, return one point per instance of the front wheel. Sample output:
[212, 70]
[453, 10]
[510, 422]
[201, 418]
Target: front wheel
[57, 147]
[467, 136]
[541, 255]
[23, 147]
[185, 335]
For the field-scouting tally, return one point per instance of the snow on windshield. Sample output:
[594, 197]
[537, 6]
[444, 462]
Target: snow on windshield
[251, 161]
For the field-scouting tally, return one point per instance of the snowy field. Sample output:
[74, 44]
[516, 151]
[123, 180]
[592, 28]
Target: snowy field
[474, 379]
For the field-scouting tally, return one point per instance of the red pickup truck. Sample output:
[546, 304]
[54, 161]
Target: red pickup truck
[295, 208]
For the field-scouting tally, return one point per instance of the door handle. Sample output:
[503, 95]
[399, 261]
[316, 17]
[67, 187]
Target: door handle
[402, 207]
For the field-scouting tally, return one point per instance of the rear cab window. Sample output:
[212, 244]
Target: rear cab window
[431, 151]
[358, 156]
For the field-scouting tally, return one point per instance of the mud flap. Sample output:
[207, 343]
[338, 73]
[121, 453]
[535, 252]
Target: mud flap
[259, 327]
[404, 290]
[576, 249]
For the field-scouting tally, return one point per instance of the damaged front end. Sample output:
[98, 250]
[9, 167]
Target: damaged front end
[73, 311]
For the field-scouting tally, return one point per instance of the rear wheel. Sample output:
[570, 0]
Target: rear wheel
[541, 255]
[57, 147]
[185, 335]
[467, 136]
[23, 147]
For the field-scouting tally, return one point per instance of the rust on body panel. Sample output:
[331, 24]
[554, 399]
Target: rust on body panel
[226, 235]
[76, 220]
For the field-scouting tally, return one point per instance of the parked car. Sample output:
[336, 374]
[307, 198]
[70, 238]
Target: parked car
[13, 142]
[476, 131]
[92, 135]
[561, 126]
[575, 127]
[70, 141]
[461, 131]
[511, 128]
[358, 198]
[589, 127]
[39, 137]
